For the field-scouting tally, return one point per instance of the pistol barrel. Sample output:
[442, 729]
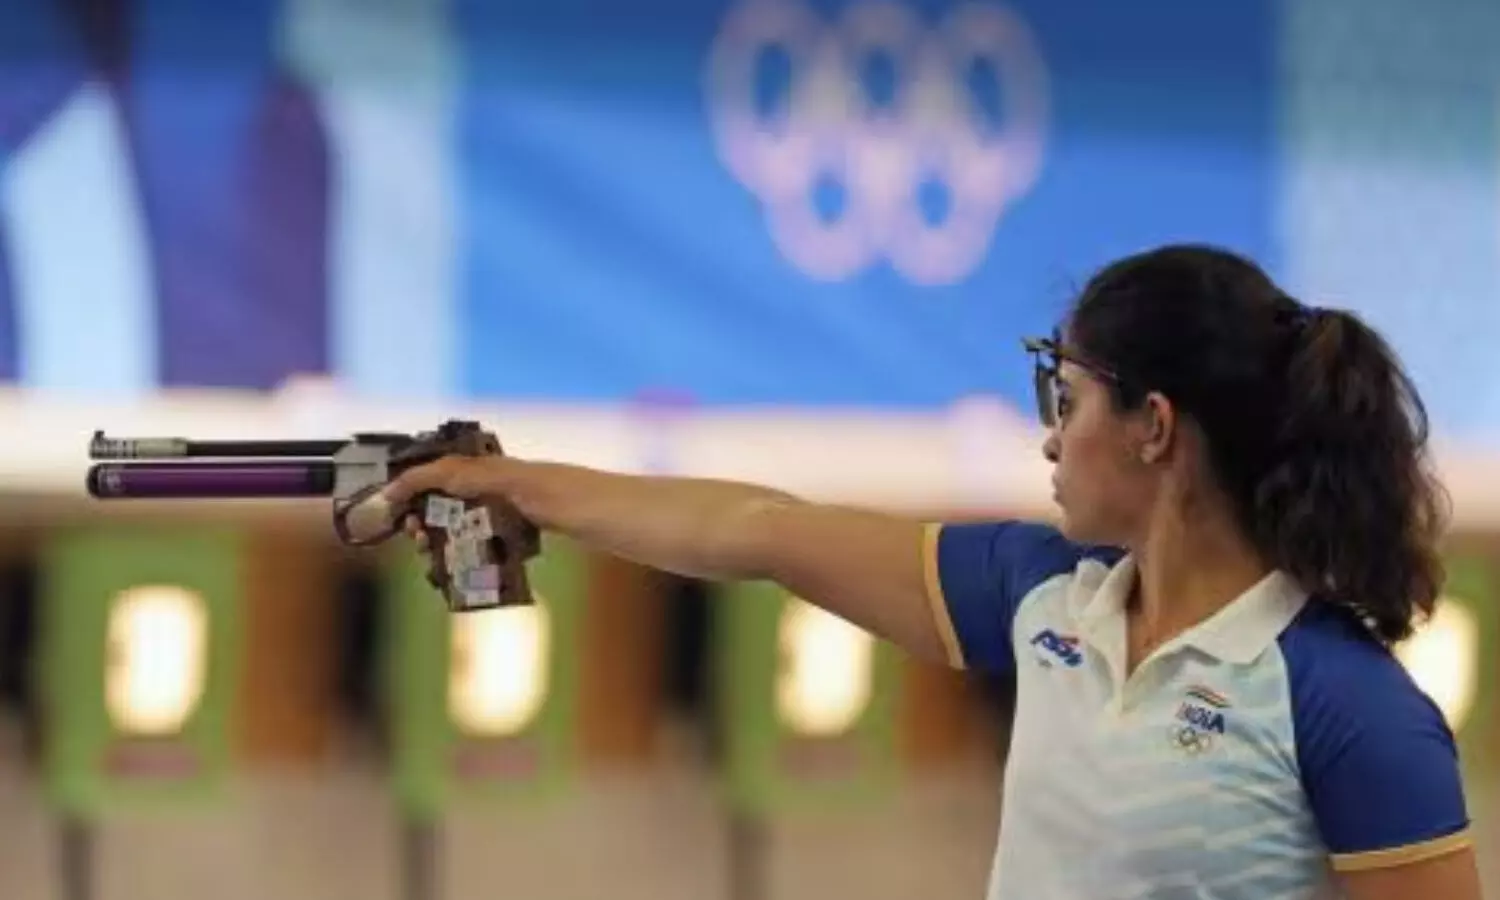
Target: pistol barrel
[106, 448]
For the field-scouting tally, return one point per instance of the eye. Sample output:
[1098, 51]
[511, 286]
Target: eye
[1064, 399]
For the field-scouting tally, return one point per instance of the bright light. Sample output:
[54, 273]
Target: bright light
[827, 666]
[1443, 658]
[498, 676]
[156, 663]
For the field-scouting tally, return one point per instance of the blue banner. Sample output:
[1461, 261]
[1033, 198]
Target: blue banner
[1390, 194]
[875, 221]
[749, 201]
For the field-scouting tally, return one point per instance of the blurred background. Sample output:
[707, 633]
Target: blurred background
[791, 241]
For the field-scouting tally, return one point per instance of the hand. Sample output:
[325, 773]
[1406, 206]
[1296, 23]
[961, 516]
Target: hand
[464, 477]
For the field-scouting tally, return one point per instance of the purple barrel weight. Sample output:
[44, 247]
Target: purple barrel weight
[210, 480]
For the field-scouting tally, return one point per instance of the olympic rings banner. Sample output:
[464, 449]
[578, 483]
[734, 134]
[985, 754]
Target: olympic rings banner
[788, 202]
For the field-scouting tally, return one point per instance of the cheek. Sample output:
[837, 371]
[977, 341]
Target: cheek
[1080, 451]
[1089, 460]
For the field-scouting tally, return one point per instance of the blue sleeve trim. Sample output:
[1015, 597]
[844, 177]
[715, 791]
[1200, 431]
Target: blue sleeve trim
[1378, 762]
[978, 574]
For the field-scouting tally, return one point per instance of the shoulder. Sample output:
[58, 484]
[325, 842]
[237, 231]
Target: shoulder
[1340, 676]
[1377, 760]
[1010, 556]
[979, 574]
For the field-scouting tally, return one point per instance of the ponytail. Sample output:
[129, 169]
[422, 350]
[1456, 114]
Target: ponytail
[1349, 505]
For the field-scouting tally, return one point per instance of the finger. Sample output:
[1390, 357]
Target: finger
[438, 475]
[412, 525]
[424, 544]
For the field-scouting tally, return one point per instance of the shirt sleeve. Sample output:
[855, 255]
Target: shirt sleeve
[978, 574]
[1378, 761]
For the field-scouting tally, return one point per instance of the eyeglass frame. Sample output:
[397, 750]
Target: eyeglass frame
[1046, 374]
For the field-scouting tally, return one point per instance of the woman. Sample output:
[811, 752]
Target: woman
[1211, 710]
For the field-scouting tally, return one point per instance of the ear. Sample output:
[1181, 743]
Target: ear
[1159, 428]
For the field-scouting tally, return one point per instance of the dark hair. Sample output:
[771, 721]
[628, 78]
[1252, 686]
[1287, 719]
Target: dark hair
[1314, 431]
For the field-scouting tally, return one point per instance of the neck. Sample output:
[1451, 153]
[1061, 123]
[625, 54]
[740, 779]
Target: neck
[1187, 571]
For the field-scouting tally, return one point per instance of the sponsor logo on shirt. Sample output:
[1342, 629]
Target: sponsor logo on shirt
[1052, 648]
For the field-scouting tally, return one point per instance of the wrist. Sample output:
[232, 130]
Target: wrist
[523, 484]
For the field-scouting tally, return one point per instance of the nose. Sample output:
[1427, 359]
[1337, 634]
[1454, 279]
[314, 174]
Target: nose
[1051, 446]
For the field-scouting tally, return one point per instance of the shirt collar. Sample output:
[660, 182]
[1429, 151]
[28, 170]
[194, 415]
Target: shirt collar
[1237, 633]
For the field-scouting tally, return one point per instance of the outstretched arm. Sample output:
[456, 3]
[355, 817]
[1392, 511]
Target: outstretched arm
[863, 566]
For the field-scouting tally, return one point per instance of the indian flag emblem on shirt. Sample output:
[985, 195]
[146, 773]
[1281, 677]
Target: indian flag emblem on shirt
[1208, 696]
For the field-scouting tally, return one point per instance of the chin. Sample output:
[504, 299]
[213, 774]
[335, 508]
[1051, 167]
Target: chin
[1079, 530]
[1065, 523]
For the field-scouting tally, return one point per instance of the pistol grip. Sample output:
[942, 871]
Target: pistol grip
[490, 542]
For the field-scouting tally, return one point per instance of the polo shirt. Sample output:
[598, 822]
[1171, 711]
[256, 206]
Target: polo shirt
[1250, 757]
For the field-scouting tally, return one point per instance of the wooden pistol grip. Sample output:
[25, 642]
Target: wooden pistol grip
[513, 542]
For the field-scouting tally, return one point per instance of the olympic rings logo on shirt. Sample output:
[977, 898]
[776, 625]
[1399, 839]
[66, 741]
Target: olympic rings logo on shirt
[1190, 740]
[887, 150]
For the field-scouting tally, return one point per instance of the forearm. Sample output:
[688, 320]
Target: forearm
[695, 527]
[867, 567]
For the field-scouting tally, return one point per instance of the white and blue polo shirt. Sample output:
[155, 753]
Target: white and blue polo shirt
[1249, 757]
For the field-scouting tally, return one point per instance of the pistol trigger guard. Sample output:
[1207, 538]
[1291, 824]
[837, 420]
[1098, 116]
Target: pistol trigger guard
[341, 510]
[341, 523]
